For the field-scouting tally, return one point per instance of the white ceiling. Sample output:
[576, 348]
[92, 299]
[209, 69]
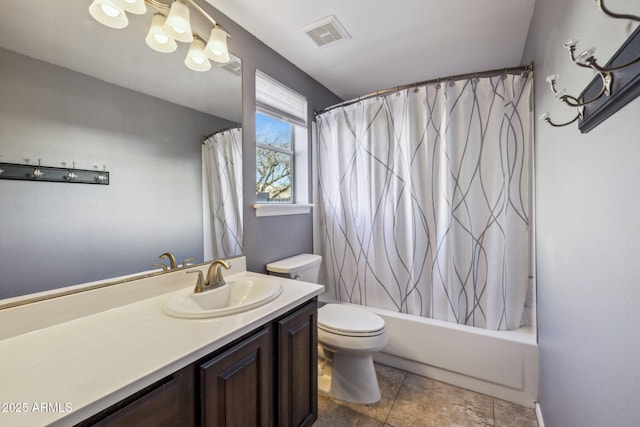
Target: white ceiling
[393, 42]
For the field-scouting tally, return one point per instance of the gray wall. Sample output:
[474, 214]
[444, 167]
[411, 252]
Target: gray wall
[588, 232]
[54, 234]
[270, 238]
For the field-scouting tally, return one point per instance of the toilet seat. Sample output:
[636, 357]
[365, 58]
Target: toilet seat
[349, 321]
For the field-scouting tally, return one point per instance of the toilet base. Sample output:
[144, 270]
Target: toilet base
[351, 378]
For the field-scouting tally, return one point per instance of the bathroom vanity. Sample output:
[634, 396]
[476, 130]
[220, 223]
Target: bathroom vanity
[133, 364]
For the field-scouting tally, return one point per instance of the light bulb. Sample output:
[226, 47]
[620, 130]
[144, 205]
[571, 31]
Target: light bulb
[161, 38]
[552, 78]
[110, 11]
[177, 24]
[132, 6]
[544, 116]
[216, 49]
[196, 59]
[157, 39]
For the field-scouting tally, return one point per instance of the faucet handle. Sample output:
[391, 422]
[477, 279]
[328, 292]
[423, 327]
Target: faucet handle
[199, 282]
[186, 261]
[164, 266]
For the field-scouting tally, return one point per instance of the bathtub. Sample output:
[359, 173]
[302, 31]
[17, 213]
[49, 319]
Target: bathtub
[496, 363]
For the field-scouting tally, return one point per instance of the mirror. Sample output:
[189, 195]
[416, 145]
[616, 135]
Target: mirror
[73, 90]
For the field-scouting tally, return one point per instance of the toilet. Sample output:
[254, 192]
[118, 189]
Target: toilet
[347, 338]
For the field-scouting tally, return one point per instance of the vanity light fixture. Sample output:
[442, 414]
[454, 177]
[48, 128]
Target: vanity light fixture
[178, 23]
[196, 60]
[170, 24]
[132, 6]
[216, 48]
[157, 39]
[108, 13]
[586, 59]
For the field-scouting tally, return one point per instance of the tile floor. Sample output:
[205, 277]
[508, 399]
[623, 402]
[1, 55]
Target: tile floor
[410, 400]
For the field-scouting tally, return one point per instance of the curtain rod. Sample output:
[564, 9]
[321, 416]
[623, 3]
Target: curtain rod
[221, 130]
[489, 73]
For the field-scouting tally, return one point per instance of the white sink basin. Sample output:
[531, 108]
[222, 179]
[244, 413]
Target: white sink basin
[236, 296]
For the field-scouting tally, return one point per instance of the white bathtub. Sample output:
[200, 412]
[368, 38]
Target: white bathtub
[499, 364]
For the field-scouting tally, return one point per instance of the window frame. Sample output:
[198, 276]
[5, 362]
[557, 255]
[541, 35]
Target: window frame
[290, 152]
[294, 112]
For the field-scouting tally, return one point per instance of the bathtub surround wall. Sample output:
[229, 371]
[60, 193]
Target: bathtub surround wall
[425, 200]
[54, 235]
[588, 234]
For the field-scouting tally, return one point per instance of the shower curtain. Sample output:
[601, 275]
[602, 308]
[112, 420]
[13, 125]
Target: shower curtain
[425, 200]
[223, 172]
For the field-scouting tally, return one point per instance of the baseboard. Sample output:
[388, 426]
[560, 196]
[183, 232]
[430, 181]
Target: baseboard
[539, 415]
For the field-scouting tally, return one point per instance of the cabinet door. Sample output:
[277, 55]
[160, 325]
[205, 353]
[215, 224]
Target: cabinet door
[298, 368]
[168, 402]
[235, 387]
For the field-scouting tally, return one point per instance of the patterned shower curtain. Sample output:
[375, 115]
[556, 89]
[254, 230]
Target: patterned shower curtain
[223, 168]
[425, 200]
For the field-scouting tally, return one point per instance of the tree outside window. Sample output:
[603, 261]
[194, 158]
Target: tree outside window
[274, 159]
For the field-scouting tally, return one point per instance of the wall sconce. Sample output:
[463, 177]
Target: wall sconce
[170, 24]
[591, 100]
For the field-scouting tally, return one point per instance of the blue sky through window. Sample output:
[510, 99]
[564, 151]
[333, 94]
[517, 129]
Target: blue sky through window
[273, 131]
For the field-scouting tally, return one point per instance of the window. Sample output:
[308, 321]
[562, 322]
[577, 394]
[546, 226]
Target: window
[281, 144]
[274, 159]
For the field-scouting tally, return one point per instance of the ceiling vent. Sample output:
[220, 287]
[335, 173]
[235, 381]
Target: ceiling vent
[326, 31]
[234, 66]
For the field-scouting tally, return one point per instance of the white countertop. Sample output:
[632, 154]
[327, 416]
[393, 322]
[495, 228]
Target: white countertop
[81, 366]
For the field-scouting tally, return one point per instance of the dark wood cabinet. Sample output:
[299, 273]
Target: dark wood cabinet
[235, 387]
[266, 378]
[168, 402]
[297, 388]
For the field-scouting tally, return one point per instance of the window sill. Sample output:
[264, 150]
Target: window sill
[277, 209]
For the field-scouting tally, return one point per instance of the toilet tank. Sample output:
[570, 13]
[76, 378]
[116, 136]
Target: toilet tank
[301, 267]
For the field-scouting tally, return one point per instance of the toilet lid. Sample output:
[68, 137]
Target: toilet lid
[348, 319]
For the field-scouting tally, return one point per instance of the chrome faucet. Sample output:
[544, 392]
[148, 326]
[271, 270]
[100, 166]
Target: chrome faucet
[214, 277]
[172, 260]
